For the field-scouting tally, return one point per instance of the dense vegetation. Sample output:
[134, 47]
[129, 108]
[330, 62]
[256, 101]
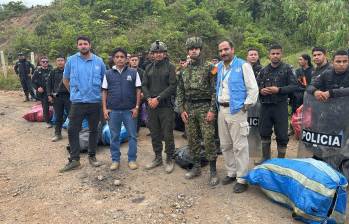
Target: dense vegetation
[134, 24]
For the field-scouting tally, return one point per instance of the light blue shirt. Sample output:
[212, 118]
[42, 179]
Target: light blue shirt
[85, 76]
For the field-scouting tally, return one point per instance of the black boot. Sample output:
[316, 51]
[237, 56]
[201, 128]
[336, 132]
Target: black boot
[281, 151]
[266, 151]
[214, 180]
[26, 97]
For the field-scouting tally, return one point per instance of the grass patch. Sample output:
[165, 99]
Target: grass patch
[10, 83]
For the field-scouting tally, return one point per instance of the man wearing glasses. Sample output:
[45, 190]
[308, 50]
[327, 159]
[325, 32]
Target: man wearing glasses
[39, 80]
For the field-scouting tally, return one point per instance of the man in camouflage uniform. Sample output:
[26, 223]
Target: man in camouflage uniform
[196, 98]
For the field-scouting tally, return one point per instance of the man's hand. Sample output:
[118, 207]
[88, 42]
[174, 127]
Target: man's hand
[50, 99]
[210, 116]
[40, 90]
[265, 91]
[153, 102]
[185, 117]
[273, 89]
[321, 96]
[106, 114]
[134, 112]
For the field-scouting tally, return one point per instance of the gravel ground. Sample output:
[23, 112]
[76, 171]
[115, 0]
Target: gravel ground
[32, 190]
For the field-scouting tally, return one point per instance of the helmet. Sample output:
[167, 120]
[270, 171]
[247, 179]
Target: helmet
[193, 42]
[158, 46]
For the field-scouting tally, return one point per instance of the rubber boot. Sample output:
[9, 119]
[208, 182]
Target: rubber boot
[281, 151]
[266, 152]
[214, 180]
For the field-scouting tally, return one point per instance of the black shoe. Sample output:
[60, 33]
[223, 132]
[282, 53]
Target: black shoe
[93, 161]
[155, 163]
[239, 188]
[228, 180]
[71, 165]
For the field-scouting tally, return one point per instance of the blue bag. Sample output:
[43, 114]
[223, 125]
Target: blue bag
[106, 137]
[314, 191]
[83, 126]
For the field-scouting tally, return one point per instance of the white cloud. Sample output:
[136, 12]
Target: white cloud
[29, 2]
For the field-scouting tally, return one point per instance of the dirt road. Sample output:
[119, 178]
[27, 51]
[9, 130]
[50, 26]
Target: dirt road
[32, 190]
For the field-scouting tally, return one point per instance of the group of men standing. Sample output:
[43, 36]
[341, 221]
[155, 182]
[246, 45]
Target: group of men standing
[206, 95]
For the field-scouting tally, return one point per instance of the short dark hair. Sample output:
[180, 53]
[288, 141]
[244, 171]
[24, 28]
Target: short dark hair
[134, 56]
[183, 59]
[60, 56]
[43, 57]
[323, 50]
[229, 42]
[85, 38]
[119, 49]
[252, 49]
[275, 47]
[341, 53]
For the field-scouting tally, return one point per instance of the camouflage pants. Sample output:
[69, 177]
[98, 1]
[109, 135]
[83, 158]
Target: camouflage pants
[199, 129]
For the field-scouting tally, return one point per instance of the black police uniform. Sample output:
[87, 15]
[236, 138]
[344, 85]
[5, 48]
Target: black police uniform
[40, 79]
[60, 94]
[274, 109]
[23, 69]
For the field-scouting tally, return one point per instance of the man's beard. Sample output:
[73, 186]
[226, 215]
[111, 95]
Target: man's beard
[84, 51]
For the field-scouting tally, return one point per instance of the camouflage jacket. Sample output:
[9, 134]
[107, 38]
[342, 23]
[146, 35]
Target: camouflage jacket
[196, 85]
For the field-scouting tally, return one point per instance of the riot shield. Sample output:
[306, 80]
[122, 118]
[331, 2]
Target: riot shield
[254, 138]
[325, 129]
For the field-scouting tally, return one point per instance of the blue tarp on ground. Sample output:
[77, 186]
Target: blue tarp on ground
[312, 189]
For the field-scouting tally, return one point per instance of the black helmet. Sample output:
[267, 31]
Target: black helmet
[158, 46]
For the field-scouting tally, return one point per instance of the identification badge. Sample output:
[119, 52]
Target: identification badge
[129, 78]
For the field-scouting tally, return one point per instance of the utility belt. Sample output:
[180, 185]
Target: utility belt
[198, 101]
[61, 94]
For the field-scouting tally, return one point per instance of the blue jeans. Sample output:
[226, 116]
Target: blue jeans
[117, 117]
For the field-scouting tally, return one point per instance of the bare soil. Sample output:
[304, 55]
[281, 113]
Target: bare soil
[32, 190]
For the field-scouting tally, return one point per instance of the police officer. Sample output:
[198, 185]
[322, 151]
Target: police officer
[24, 69]
[40, 80]
[58, 95]
[159, 86]
[275, 82]
[320, 60]
[196, 99]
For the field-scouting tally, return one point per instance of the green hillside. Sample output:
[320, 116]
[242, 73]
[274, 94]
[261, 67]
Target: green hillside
[134, 24]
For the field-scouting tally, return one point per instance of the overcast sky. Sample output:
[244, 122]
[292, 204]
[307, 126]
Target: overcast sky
[29, 2]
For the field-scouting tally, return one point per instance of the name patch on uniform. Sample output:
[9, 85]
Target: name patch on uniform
[129, 78]
[238, 69]
[322, 139]
[253, 121]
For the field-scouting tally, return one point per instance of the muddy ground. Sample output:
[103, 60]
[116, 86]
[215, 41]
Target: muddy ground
[32, 190]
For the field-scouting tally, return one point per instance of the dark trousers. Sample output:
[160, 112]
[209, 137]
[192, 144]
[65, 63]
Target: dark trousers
[45, 107]
[161, 127]
[274, 115]
[78, 111]
[60, 103]
[27, 86]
